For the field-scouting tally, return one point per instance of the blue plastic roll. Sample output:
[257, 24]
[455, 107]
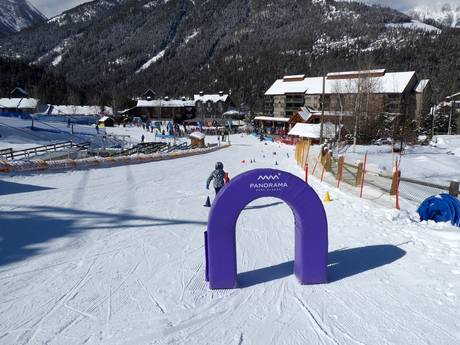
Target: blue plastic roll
[440, 208]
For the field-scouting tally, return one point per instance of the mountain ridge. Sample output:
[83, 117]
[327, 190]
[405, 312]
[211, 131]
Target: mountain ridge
[120, 48]
[16, 15]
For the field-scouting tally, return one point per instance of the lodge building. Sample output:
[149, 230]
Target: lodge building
[205, 108]
[372, 92]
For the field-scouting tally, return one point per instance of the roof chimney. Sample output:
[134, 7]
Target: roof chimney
[201, 93]
[166, 98]
[183, 98]
[221, 93]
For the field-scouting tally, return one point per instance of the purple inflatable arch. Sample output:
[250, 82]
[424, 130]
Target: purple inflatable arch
[310, 265]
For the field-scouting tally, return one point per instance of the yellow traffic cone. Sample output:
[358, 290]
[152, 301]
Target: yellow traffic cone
[327, 197]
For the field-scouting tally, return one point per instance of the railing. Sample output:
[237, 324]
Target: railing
[145, 148]
[10, 154]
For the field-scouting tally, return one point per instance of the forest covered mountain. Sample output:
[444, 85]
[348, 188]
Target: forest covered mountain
[117, 48]
[16, 15]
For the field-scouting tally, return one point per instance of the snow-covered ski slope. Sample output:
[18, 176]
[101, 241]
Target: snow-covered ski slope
[115, 256]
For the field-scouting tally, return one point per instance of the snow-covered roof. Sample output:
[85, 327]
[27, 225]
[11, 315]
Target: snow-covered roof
[305, 113]
[231, 112]
[390, 82]
[197, 135]
[78, 110]
[355, 74]
[454, 95]
[18, 103]
[211, 97]
[282, 86]
[421, 85]
[312, 130]
[21, 90]
[271, 118]
[171, 103]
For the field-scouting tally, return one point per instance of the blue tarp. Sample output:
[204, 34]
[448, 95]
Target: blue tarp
[441, 208]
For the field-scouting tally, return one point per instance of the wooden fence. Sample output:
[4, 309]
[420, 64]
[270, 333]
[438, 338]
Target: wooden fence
[10, 154]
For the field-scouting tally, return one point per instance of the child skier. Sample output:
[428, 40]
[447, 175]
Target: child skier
[218, 176]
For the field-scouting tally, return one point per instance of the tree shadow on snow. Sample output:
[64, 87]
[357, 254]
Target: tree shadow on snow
[25, 232]
[343, 264]
[7, 188]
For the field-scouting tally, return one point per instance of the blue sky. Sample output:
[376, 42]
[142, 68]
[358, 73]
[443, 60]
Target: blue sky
[52, 7]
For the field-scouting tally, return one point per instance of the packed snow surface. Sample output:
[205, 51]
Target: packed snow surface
[115, 256]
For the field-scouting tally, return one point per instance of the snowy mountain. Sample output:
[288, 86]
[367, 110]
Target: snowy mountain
[84, 13]
[16, 15]
[441, 13]
[121, 47]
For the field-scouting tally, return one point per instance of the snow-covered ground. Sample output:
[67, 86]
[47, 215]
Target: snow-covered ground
[17, 133]
[115, 256]
[436, 164]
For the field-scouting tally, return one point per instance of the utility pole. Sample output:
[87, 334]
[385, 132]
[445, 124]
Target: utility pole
[321, 134]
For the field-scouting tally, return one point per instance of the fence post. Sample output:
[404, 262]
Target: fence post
[453, 188]
[362, 178]
[328, 161]
[322, 173]
[316, 163]
[306, 172]
[397, 184]
[340, 169]
[12, 153]
[359, 173]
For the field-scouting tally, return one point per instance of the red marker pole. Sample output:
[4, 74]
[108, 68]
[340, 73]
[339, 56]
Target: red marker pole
[364, 174]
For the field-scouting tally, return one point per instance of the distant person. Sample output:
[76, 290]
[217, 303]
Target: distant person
[142, 138]
[97, 128]
[218, 176]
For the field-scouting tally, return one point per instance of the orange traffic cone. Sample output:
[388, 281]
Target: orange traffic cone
[207, 203]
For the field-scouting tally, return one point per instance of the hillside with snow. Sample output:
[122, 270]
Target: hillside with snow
[16, 15]
[446, 14]
[116, 256]
[185, 46]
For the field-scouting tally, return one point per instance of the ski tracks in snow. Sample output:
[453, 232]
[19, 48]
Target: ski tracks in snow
[318, 325]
